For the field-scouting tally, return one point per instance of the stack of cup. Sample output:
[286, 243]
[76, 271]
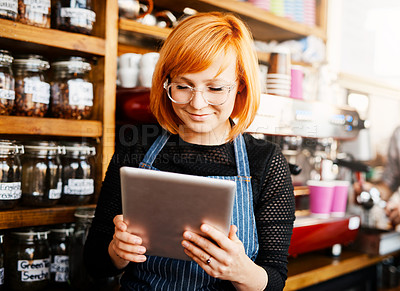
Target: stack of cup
[309, 12]
[128, 70]
[279, 73]
[263, 4]
[328, 198]
[296, 85]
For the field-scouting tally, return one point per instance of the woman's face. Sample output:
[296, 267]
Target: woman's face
[204, 123]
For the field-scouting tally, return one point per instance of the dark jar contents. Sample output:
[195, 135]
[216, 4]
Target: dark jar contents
[71, 89]
[78, 173]
[32, 92]
[1, 263]
[41, 174]
[34, 12]
[59, 240]
[9, 9]
[27, 260]
[74, 16]
[7, 92]
[10, 174]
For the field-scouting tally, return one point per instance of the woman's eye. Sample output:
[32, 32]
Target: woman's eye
[216, 89]
[182, 87]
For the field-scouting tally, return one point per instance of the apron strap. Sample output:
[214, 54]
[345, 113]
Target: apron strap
[156, 147]
[242, 162]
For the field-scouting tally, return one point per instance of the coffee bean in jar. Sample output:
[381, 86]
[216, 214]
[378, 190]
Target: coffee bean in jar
[9, 9]
[32, 92]
[10, 174]
[71, 89]
[34, 12]
[78, 173]
[27, 260]
[41, 174]
[7, 93]
[74, 16]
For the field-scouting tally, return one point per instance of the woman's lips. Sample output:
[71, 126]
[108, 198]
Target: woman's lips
[199, 117]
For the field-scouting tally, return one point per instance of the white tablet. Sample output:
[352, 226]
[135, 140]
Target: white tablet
[159, 206]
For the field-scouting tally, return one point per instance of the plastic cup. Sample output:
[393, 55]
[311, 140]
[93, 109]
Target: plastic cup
[296, 90]
[339, 200]
[321, 194]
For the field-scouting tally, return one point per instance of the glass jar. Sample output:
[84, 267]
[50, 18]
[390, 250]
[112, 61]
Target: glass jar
[71, 89]
[41, 174]
[74, 16]
[9, 9]
[78, 173]
[59, 240]
[7, 93]
[28, 260]
[34, 12]
[1, 263]
[32, 92]
[10, 174]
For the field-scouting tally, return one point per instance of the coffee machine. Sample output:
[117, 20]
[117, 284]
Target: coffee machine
[310, 135]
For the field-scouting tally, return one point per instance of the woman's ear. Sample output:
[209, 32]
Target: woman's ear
[241, 87]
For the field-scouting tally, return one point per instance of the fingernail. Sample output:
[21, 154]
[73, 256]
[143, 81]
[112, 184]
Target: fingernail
[185, 244]
[187, 235]
[205, 228]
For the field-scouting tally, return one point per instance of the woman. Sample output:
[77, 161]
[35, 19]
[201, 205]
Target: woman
[206, 77]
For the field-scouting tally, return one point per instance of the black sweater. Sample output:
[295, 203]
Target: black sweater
[271, 185]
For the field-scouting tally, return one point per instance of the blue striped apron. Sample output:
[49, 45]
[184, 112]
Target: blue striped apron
[159, 273]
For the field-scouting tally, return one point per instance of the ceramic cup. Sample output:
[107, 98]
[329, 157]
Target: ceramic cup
[147, 65]
[321, 194]
[296, 90]
[128, 77]
[339, 200]
[129, 60]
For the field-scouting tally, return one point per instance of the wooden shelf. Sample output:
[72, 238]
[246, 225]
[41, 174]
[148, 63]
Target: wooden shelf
[148, 30]
[21, 217]
[51, 38]
[263, 24]
[50, 126]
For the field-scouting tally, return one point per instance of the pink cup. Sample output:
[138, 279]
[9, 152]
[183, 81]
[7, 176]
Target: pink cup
[339, 200]
[321, 194]
[296, 90]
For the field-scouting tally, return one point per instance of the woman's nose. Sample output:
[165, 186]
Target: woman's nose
[198, 101]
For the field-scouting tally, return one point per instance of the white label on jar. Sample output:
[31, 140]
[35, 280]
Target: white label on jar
[9, 5]
[78, 13]
[1, 276]
[10, 191]
[79, 187]
[7, 94]
[80, 93]
[40, 6]
[60, 267]
[56, 193]
[40, 90]
[35, 270]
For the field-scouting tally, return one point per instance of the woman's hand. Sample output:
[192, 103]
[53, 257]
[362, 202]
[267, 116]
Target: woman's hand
[125, 247]
[224, 258]
[393, 212]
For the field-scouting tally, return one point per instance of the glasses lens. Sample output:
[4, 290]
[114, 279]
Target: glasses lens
[216, 95]
[180, 93]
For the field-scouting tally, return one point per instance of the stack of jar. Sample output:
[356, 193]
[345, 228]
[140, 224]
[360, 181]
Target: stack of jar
[42, 173]
[68, 15]
[69, 95]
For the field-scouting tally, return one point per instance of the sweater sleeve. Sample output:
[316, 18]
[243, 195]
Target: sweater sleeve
[275, 215]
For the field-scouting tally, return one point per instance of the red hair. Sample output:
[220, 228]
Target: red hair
[191, 47]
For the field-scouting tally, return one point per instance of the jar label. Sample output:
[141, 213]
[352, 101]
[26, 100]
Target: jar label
[79, 187]
[35, 270]
[10, 191]
[39, 6]
[60, 267]
[40, 90]
[56, 193]
[80, 93]
[80, 13]
[1, 276]
[9, 5]
[7, 94]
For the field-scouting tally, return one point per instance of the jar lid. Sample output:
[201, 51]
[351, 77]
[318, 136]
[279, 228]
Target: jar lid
[67, 231]
[85, 212]
[77, 64]
[44, 147]
[10, 147]
[31, 234]
[5, 57]
[80, 149]
[35, 62]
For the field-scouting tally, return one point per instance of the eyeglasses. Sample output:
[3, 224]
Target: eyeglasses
[181, 93]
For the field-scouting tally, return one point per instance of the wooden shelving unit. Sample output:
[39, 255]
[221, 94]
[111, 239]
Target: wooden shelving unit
[102, 45]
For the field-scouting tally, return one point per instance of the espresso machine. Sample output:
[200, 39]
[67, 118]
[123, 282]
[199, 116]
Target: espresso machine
[310, 135]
